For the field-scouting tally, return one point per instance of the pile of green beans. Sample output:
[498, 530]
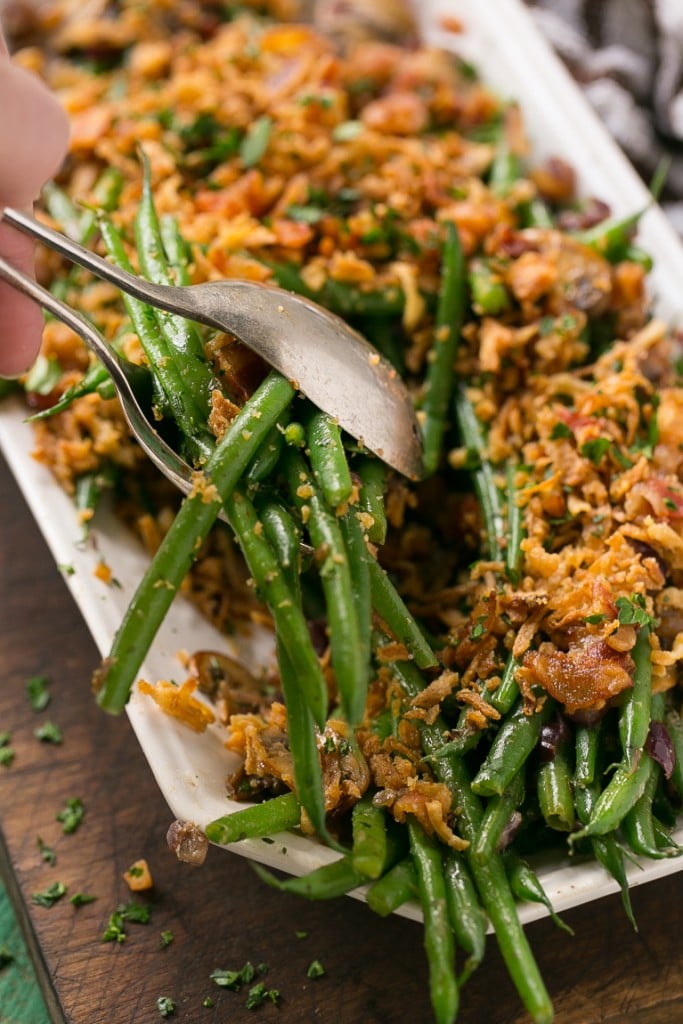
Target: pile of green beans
[286, 477]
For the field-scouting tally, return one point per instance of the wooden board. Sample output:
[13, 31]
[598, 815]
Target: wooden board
[221, 915]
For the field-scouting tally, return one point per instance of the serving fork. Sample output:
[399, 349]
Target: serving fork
[329, 362]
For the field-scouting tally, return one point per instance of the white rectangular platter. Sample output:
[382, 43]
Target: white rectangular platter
[502, 41]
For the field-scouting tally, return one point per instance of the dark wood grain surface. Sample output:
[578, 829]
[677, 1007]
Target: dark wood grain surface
[221, 916]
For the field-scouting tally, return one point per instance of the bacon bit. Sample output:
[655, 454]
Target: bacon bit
[179, 702]
[88, 127]
[586, 676]
[531, 276]
[293, 234]
[399, 113]
[138, 877]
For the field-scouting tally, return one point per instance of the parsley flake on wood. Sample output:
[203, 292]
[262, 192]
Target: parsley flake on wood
[48, 897]
[37, 692]
[79, 899]
[259, 994]
[315, 969]
[72, 815]
[138, 913]
[47, 854]
[166, 939]
[49, 732]
[165, 1006]
[6, 751]
[234, 979]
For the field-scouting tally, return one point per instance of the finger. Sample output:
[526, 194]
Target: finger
[34, 134]
[21, 320]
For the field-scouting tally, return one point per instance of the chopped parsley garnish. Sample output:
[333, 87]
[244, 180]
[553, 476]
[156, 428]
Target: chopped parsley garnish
[207, 1002]
[138, 913]
[347, 131]
[79, 899]
[44, 377]
[165, 1006]
[49, 732]
[255, 142]
[631, 611]
[234, 979]
[301, 934]
[37, 692]
[259, 994]
[595, 449]
[135, 871]
[560, 430]
[47, 854]
[72, 815]
[595, 620]
[48, 897]
[166, 939]
[315, 969]
[478, 630]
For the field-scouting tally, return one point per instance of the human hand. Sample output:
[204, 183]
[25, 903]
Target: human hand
[34, 135]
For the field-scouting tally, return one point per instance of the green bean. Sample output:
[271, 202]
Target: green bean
[169, 381]
[506, 168]
[106, 194]
[328, 882]
[369, 848]
[256, 821]
[89, 490]
[608, 853]
[185, 346]
[638, 825]
[439, 381]
[489, 295]
[674, 725]
[348, 654]
[468, 920]
[506, 693]
[267, 457]
[284, 536]
[622, 791]
[395, 887]
[179, 547]
[483, 476]
[328, 459]
[514, 741]
[95, 380]
[373, 474]
[554, 790]
[634, 720]
[290, 623]
[63, 210]
[359, 568]
[515, 530]
[489, 877]
[625, 787]
[385, 334]
[498, 813]
[389, 605]
[303, 744]
[497, 899]
[526, 885]
[535, 214]
[438, 935]
[586, 744]
[177, 250]
[611, 237]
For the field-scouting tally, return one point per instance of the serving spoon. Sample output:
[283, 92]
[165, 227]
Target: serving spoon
[325, 359]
